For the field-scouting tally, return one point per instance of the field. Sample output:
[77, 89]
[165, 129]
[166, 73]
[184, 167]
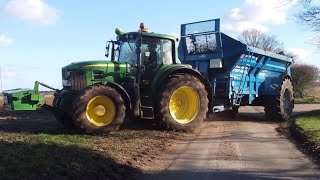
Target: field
[33, 145]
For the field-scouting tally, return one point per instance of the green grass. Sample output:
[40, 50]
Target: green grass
[310, 125]
[307, 100]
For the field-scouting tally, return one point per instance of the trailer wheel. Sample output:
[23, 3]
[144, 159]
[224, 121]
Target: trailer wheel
[98, 110]
[183, 103]
[61, 116]
[286, 99]
[281, 106]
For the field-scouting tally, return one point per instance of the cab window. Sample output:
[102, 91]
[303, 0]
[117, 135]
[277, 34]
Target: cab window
[156, 51]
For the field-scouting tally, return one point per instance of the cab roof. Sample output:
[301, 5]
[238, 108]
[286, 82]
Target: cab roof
[152, 34]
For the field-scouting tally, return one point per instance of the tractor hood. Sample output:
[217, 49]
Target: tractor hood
[77, 76]
[85, 65]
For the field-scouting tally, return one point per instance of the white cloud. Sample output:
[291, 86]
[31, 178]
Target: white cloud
[5, 41]
[32, 10]
[302, 54]
[243, 25]
[257, 14]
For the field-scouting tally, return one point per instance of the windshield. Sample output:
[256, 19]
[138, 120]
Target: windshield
[128, 51]
[154, 51]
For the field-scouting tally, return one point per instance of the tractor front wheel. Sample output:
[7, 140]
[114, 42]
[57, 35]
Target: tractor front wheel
[98, 110]
[61, 116]
[183, 103]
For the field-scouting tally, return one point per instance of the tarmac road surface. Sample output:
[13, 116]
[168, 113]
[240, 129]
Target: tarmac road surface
[246, 148]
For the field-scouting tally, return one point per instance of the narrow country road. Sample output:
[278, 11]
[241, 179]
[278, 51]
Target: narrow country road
[246, 148]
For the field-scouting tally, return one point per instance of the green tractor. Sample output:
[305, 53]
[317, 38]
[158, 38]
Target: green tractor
[143, 80]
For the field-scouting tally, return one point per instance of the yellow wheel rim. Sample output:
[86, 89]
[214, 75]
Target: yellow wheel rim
[101, 111]
[184, 105]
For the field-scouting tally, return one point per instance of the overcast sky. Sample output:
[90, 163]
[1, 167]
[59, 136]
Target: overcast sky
[38, 37]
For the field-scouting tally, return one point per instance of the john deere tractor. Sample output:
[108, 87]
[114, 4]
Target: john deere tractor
[144, 79]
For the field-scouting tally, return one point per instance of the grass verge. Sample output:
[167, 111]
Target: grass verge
[307, 100]
[309, 124]
[304, 131]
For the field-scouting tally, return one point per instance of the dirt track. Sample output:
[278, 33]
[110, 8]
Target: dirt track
[246, 148]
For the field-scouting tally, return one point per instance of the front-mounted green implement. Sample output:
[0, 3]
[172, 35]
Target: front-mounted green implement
[24, 99]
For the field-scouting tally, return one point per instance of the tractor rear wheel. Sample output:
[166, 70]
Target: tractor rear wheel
[183, 103]
[98, 109]
[280, 107]
[61, 116]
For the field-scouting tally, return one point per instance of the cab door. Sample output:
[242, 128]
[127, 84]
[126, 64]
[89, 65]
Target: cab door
[154, 53]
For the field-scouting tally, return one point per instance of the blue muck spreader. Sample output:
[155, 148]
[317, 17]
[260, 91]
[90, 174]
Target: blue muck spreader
[238, 74]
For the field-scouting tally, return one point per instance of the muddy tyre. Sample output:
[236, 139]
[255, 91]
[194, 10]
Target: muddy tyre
[61, 116]
[280, 107]
[182, 103]
[98, 110]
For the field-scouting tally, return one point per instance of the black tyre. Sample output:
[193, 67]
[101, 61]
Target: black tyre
[233, 112]
[98, 110]
[280, 107]
[61, 116]
[182, 103]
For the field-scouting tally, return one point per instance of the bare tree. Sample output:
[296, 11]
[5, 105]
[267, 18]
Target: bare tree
[305, 77]
[309, 14]
[261, 40]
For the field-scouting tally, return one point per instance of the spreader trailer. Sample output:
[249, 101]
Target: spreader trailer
[239, 75]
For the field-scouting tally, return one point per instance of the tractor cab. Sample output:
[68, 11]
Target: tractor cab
[146, 52]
